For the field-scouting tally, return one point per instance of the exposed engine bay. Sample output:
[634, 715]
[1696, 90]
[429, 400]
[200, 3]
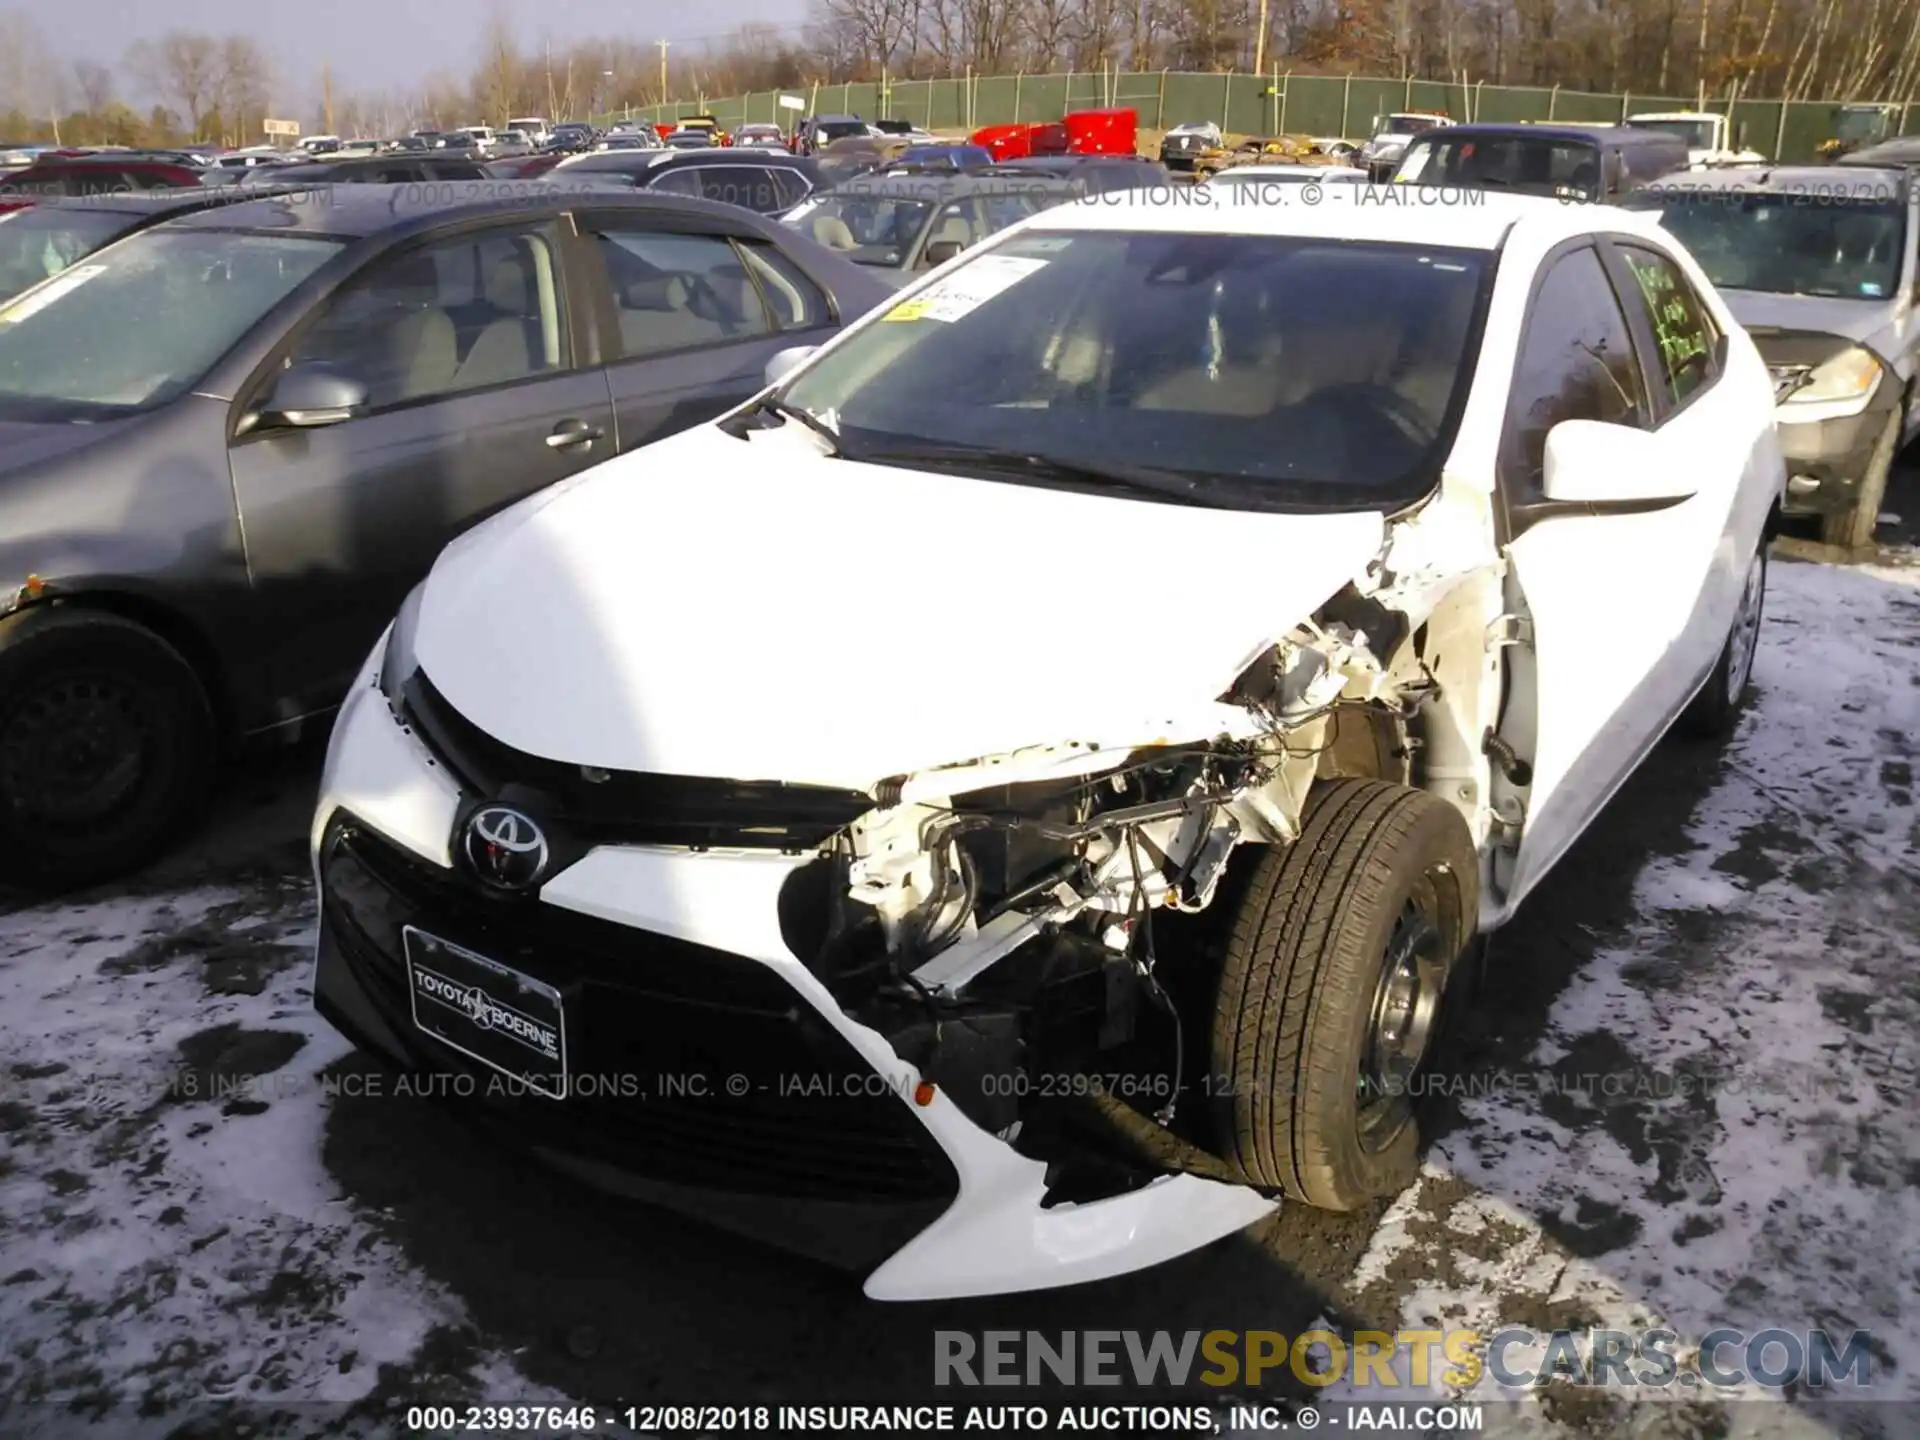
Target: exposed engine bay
[1031, 929]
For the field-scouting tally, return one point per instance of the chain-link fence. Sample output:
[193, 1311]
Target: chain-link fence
[1265, 104]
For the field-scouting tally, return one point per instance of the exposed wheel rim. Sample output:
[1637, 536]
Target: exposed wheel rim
[1746, 631]
[1403, 1017]
[75, 748]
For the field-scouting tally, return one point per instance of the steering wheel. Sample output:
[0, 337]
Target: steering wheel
[1381, 402]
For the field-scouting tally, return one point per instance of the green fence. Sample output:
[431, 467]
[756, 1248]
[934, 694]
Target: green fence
[1260, 104]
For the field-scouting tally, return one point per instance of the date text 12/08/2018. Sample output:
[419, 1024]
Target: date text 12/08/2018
[448, 1420]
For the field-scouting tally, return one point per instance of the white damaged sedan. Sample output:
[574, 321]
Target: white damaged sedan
[1006, 807]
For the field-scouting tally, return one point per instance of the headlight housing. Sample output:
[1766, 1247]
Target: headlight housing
[1853, 374]
[398, 665]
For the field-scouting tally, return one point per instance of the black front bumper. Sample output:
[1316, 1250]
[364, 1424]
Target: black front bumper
[807, 1156]
[1828, 459]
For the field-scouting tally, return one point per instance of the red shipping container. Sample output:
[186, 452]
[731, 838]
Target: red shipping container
[1051, 138]
[1004, 142]
[1019, 142]
[1103, 132]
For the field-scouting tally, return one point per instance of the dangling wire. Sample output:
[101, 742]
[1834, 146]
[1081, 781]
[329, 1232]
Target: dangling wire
[1164, 1115]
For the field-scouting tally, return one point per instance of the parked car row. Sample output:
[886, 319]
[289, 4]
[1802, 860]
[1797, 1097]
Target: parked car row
[206, 517]
[537, 493]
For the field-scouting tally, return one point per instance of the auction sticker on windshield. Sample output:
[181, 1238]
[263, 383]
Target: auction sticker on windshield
[34, 301]
[965, 291]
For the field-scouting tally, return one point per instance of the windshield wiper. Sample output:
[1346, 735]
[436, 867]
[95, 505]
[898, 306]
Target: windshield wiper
[771, 406]
[1138, 481]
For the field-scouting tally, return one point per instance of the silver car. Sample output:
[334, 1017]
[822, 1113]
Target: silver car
[1819, 265]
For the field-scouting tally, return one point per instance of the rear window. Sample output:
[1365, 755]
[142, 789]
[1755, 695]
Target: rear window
[46, 239]
[1524, 164]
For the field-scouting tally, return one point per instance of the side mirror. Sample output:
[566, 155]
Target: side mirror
[787, 361]
[1609, 467]
[940, 252]
[309, 396]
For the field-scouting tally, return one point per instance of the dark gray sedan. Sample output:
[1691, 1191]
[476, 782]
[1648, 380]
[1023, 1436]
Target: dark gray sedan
[231, 443]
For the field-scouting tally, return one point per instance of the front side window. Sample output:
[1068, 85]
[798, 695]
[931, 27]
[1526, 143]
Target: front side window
[69, 351]
[1577, 362]
[453, 315]
[796, 301]
[1235, 368]
[677, 292]
[1682, 330]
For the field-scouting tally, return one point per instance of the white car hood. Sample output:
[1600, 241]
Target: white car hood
[756, 610]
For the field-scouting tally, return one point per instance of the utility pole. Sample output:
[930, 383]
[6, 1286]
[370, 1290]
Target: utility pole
[663, 68]
[1260, 41]
[326, 97]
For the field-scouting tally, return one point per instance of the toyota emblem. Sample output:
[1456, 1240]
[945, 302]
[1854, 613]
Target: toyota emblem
[506, 849]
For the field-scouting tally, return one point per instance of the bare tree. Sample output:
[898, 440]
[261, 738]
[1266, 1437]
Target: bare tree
[92, 85]
[183, 66]
[27, 75]
[245, 78]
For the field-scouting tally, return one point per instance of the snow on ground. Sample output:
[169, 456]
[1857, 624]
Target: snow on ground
[1717, 1127]
[1721, 1128]
[169, 1233]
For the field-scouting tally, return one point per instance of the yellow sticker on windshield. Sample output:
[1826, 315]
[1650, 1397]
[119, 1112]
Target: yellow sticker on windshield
[966, 290]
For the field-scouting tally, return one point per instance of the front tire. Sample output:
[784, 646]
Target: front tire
[1852, 528]
[106, 746]
[1330, 993]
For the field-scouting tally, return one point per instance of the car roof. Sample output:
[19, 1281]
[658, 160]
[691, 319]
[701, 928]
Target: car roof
[1352, 212]
[1612, 134]
[1049, 164]
[1282, 167]
[712, 155]
[1901, 151]
[1861, 180]
[357, 211]
[941, 187]
[184, 200]
[100, 160]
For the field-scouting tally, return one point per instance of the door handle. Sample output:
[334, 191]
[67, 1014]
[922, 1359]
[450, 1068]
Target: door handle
[573, 434]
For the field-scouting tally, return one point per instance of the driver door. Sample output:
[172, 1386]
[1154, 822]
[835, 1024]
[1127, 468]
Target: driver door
[1618, 600]
[481, 389]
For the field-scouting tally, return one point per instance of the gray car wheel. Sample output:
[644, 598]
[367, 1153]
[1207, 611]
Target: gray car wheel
[106, 745]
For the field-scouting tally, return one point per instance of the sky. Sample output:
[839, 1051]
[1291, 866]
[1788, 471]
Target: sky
[378, 45]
